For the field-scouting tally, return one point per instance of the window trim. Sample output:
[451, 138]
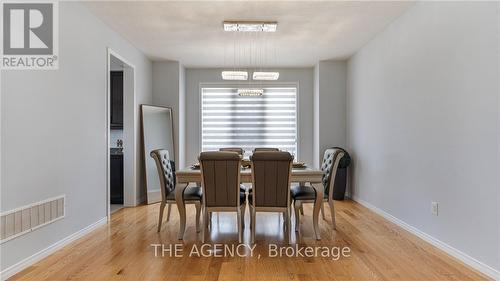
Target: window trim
[202, 85]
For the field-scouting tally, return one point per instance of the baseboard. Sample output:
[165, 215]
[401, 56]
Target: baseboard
[10, 271]
[153, 196]
[470, 261]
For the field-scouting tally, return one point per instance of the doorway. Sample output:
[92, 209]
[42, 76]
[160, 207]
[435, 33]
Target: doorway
[121, 156]
[116, 174]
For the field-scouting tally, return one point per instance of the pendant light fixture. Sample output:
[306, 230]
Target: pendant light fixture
[238, 74]
[265, 75]
[246, 92]
[234, 75]
[250, 26]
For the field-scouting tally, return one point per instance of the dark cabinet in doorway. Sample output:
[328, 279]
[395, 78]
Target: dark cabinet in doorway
[116, 179]
[116, 103]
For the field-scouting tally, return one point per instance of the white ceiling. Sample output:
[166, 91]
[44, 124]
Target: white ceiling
[191, 32]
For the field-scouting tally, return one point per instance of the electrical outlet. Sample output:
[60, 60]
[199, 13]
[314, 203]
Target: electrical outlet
[434, 208]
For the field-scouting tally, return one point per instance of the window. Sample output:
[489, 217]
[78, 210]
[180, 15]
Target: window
[230, 120]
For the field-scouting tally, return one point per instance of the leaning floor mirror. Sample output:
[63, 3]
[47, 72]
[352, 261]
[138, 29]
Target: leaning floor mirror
[157, 133]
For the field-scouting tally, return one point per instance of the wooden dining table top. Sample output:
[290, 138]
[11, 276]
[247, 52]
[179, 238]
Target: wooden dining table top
[298, 175]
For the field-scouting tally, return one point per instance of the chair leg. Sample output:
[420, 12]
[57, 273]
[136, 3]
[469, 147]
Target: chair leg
[169, 209]
[250, 214]
[205, 223]
[162, 208]
[301, 209]
[252, 224]
[210, 215]
[285, 230]
[198, 209]
[243, 207]
[288, 226]
[323, 211]
[240, 236]
[332, 213]
[296, 206]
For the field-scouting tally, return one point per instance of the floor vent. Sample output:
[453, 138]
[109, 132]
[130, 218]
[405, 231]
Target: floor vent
[19, 221]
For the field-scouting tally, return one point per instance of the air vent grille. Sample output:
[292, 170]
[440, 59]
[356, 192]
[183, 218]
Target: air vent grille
[19, 221]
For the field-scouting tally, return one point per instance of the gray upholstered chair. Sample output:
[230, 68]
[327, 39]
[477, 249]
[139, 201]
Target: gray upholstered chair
[166, 172]
[220, 175]
[271, 175]
[306, 194]
[241, 152]
[262, 149]
[238, 150]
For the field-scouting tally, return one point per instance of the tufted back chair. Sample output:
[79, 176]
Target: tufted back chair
[166, 170]
[330, 157]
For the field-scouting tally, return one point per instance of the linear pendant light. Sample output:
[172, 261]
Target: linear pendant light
[265, 75]
[234, 75]
[250, 26]
[253, 27]
[250, 92]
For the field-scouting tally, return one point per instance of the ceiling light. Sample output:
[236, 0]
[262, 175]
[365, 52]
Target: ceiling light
[265, 75]
[270, 27]
[230, 26]
[251, 26]
[234, 75]
[250, 92]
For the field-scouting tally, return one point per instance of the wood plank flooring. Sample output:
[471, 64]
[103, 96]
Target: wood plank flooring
[122, 250]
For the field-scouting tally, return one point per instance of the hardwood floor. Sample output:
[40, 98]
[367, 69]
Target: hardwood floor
[122, 250]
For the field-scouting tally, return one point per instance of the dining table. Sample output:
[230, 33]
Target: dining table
[298, 175]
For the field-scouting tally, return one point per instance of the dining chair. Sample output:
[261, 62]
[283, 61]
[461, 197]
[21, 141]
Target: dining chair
[241, 152]
[238, 150]
[166, 172]
[271, 175]
[220, 175]
[305, 194]
[261, 149]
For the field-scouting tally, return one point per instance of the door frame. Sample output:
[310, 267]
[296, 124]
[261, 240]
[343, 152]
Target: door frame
[129, 132]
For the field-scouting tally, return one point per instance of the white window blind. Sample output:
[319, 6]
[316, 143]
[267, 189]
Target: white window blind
[230, 120]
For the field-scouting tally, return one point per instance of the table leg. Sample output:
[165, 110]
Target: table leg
[317, 207]
[179, 196]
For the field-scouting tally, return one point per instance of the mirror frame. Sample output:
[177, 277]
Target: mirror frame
[145, 153]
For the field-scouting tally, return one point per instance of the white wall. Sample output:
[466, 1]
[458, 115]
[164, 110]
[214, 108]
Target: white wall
[316, 149]
[166, 92]
[423, 123]
[53, 130]
[169, 89]
[330, 106]
[182, 117]
[498, 130]
[302, 76]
